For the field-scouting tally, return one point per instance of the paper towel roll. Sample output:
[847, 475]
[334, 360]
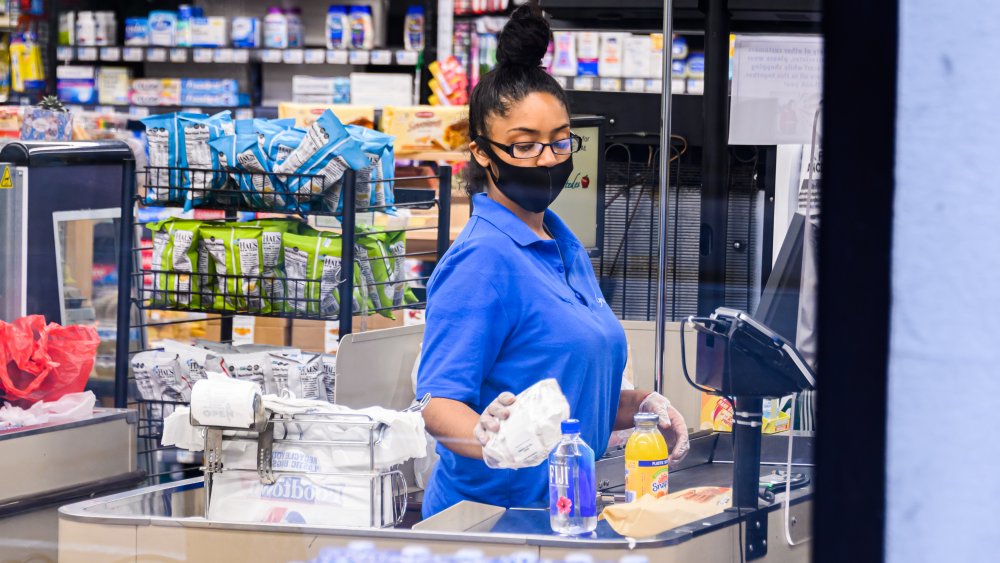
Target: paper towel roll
[226, 402]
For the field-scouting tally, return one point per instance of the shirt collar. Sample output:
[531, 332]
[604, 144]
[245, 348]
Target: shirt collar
[505, 220]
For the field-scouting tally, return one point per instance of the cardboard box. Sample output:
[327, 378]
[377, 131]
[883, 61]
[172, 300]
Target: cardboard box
[323, 336]
[427, 128]
[255, 330]
[306, 114]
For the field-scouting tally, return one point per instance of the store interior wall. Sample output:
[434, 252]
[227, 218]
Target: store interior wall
[942, 472]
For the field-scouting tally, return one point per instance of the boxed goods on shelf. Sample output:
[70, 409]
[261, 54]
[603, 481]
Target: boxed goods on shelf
[427, 128]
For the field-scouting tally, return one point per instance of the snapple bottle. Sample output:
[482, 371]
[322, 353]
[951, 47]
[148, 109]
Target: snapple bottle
[572, 489]
[646, 471]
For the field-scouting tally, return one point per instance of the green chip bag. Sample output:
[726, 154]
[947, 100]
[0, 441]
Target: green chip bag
[178, 258]
[373, 261]
[237, 256]
[273, 265]
[314, 271]
[395, 244]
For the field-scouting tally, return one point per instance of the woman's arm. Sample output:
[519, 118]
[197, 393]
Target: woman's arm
[628, 405]
[453, 424]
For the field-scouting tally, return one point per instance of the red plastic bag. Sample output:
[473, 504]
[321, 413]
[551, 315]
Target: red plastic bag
[40, 362]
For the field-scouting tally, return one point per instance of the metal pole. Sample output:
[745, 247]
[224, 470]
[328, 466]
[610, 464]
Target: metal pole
[665, 105]
[715, 161]
[347, 222]
[444, 212]
[126, 230]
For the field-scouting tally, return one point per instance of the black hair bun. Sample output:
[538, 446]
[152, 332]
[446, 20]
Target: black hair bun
[524, 39]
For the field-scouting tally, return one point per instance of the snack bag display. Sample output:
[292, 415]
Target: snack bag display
[237, 256]
[255, 367]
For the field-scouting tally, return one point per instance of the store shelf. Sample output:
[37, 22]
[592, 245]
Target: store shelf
[435, 156]
[226, 55]
[790, 16]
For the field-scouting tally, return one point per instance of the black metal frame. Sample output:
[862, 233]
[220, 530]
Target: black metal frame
[132, 293]
[855, 261]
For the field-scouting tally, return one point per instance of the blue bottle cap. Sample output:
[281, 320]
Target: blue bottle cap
[571, 426]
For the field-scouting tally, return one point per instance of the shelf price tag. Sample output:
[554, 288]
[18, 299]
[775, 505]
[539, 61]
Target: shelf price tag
[157, 55]
[241, 56]
[315, 56]
[611, 84]
[635, 85]
[222, 56]
[202, 55]
[178, 55]
[64, 53]
[336, 57]
[132, 54]
[292, 56]
[654, 85]
[404, 57]
[138, 111]
[583, 83]
[359, 57]
[270, 56]
[381, 57]
[86, 53]
[111, 54]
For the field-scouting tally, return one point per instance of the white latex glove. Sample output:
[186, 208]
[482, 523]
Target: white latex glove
[489, 423]
[671, 424]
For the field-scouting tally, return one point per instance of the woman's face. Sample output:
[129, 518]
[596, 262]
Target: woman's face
[539, 117]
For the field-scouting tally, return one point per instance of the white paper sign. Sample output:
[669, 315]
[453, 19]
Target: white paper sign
[86, 53]
[777, 86]
[111, 54]
[315, 56]
[202, 55]
[222, 55]
[336, 57]
[132, 54]
[359, 57]
[178, 55]
[292, 57]
[156, 55]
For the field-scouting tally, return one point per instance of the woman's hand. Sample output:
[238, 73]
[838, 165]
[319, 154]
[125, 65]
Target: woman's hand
[671, 424]
[489, 423]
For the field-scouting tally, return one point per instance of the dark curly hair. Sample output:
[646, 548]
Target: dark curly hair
[520, 48]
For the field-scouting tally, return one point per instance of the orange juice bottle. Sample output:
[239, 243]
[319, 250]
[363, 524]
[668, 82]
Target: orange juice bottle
[646, 471]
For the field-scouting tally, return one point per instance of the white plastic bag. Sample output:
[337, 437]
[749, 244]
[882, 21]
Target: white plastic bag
[533, 429]
[69, 408]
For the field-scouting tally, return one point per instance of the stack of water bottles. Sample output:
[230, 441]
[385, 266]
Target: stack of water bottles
[365, 552]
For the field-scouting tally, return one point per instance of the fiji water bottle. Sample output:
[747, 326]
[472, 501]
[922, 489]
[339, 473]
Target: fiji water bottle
[572, 490]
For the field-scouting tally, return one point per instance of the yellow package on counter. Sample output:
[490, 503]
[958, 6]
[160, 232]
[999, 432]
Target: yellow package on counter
[427, 128]
[650, 516]
[717, 414]
[305, 114]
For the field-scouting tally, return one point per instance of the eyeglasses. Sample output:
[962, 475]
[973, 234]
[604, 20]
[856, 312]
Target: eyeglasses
[569, 145]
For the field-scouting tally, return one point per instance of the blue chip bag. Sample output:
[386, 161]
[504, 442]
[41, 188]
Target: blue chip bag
[326, 150]
[195, 154]
[376, 146]
[163, 143]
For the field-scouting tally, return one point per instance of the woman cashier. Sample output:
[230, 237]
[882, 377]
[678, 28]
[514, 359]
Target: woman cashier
[515, 299]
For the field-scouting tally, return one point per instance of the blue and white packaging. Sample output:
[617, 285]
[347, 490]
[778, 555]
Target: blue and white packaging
[163, 28]
[246, 33]
[208, 32]
[137, 32]
[327, 150]
[76, 84]
[341, 90]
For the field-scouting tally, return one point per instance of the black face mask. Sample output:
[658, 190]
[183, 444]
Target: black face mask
[534, 188]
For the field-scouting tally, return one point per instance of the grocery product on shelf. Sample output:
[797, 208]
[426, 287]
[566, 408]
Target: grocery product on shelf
[338, 28]
[305, 114]
[427, 128]
[275, 29]
[362, 27]
[136, 32]
[413, 29]
[246, 33]
[162, 28]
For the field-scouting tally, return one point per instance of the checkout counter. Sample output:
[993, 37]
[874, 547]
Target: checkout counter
[167, 521]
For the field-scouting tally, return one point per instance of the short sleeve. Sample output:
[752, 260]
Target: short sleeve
[467, 325]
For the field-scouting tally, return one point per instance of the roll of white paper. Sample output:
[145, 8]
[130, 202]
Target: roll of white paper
[223, 401]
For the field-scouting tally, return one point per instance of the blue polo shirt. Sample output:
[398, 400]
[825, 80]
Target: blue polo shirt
[506, 309]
